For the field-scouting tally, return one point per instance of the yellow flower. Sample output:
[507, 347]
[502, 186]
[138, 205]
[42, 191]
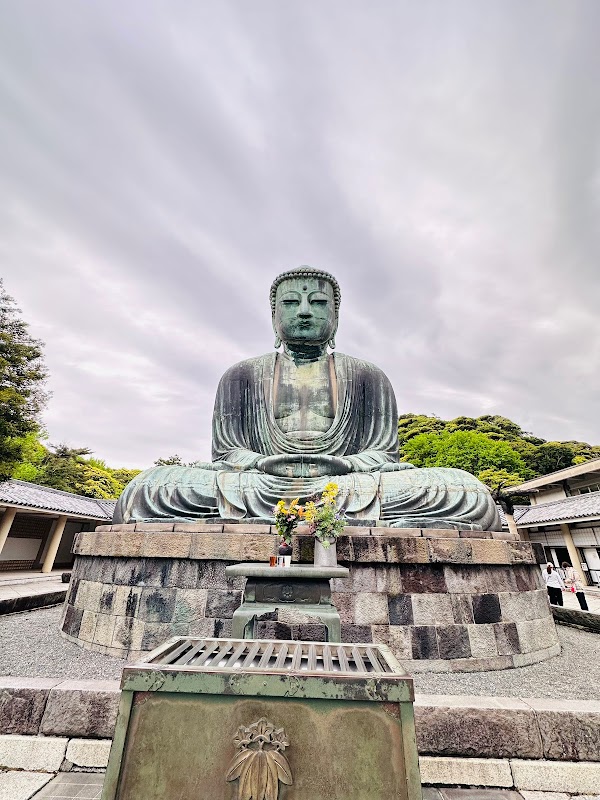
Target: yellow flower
[329, 494]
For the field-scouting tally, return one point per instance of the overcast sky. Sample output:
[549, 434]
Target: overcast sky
[162, 162]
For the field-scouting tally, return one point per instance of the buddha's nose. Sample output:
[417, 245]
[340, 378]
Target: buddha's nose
[304, 310]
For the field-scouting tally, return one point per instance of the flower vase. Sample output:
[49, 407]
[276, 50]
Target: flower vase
[325, 556]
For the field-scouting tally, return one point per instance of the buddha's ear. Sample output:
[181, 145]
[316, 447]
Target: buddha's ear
[277, 344]
[331, 342]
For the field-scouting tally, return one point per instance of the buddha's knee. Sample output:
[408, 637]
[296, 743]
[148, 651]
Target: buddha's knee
[166, 491]
[430, 478]
[176, 475]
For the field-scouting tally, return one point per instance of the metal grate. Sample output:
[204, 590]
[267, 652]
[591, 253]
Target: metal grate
[255, 656]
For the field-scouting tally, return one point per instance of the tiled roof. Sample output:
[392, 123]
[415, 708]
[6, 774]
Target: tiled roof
[577, 470]
[580, 506]
[108, 506]
[21, 493]
[518, 512]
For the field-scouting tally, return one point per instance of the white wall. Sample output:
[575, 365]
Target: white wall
[547, 495]
[20, 549]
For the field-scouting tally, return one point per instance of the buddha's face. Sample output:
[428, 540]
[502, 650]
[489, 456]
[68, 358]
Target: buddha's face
[305, 311]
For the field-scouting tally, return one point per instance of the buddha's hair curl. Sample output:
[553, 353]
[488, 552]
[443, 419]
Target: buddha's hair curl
[307, 272]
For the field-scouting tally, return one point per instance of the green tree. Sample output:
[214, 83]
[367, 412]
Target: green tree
[171, 461]
[69, 469]
[582, 451]
[497, 480]
[528, 452]
[22, 378]
[410, 425]
[175, 461]
[497, 427]
[552, 456]
[538, 456]
[124, 476]
[63, 468]
[33, 454]
[94, 482]
[468, 450]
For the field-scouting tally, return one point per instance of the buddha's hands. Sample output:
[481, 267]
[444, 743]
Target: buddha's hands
[371, 461]
[297, 465]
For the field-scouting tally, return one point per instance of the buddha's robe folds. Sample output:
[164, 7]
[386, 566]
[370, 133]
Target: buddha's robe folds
[363, 431]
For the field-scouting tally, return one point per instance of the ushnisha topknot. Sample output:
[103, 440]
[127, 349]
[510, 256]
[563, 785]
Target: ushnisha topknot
[307, 272]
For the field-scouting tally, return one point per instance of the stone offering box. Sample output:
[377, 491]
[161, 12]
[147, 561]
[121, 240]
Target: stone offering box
[442, 600]
[223, 718]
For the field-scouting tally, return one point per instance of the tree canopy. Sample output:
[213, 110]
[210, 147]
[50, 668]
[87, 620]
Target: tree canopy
[22, 378]
[71, 469]
[492, 447]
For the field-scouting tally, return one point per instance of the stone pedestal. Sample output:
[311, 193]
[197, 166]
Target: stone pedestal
[301, 590]
[442, 600]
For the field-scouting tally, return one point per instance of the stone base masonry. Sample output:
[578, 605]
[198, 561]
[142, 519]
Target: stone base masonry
[442, 600]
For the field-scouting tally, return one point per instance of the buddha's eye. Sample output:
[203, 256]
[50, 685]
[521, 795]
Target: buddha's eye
[318, 302]
[290, 302]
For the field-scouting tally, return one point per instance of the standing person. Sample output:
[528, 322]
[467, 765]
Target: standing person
[573, 582]
[554, 585]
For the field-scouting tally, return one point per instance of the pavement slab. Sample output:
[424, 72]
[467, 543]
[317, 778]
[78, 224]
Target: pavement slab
[71, 785]
[21, 785]
[26, 595]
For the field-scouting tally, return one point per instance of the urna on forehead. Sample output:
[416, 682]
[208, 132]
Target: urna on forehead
[306, 279]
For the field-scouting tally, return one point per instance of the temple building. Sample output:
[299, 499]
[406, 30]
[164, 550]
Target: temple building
[564, 516]
[38, 525]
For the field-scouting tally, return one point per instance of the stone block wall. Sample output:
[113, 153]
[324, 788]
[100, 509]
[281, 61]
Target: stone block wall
[530, 744]
[442, 600]
[585, 620]
[56, 707]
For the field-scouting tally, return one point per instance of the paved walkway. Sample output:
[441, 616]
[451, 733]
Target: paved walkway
[20, 576]
[75, 785]
[19, 785]
[24, 590]
[591, 595]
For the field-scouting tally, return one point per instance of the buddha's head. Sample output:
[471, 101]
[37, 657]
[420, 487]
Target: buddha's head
[304, 305]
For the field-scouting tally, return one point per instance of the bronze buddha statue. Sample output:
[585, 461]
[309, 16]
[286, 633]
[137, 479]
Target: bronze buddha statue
[288, 422]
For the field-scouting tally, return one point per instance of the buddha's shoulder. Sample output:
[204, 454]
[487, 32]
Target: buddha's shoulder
[360, 365]
[249, 367]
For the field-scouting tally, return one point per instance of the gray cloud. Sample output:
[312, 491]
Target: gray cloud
[160, 163]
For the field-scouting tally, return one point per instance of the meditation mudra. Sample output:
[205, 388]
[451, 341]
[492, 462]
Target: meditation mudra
[287, 423]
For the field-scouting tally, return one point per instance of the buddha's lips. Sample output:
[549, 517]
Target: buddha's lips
[303, 326]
